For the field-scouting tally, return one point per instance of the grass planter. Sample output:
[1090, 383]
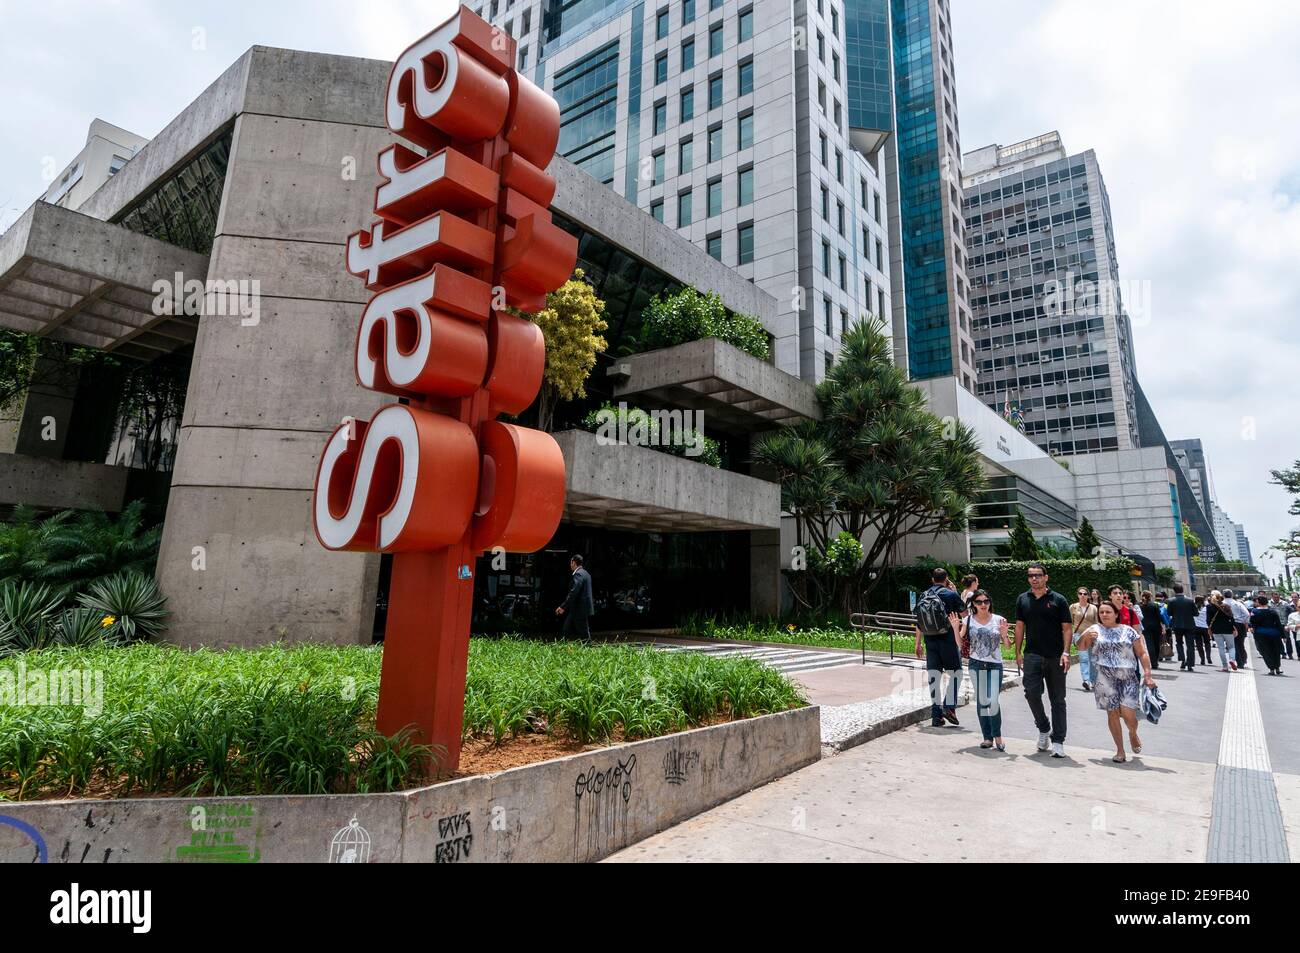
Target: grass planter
[278, 720]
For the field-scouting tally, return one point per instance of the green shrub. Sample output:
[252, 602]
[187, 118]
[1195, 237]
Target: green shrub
[1005, 581]
[122, 608]
[72, 550]
[133, 603]
[643, 429]
[690, 315]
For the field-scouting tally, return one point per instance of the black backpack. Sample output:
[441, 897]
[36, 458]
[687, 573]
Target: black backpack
[932, 614]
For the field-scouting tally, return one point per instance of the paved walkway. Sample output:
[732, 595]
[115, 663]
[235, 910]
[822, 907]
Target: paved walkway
[1219, 779]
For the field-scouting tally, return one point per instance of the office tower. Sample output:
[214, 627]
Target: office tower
[902, 82]
[729, 123]
[1191, 457]
[1243, 545]
[1054, 340]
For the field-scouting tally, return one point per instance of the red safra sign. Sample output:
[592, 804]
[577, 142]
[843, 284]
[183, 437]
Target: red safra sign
[464, 232]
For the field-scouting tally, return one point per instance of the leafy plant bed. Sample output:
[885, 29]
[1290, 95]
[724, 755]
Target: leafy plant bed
[278, 720]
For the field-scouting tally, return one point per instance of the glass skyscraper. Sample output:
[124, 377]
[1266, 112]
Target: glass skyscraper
[909, 43]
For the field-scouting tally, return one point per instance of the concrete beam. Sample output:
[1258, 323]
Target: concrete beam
[642, 489]
[735, 390]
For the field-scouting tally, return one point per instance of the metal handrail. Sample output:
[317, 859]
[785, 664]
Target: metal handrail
[888, 622]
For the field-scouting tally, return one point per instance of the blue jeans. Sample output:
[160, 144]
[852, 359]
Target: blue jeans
[1227, 650]
[1085, 665]
[987, 679]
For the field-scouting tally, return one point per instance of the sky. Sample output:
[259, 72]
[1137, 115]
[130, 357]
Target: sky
[1192, 107]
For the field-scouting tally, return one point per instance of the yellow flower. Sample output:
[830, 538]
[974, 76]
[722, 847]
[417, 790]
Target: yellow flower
[107, 621]
[790, 628]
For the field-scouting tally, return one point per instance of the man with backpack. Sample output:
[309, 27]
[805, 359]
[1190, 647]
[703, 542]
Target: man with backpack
[938, 622]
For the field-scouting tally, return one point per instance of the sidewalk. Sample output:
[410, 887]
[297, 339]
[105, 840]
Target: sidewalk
[859, 702]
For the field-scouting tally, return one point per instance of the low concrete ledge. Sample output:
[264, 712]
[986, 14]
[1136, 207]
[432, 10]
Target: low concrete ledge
[847, 726]
[735, 390]
[47, 483]
[645, 490]
[579, 808]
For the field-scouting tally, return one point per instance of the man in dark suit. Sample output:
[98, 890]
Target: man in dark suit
[1182, 620]
[578, 605]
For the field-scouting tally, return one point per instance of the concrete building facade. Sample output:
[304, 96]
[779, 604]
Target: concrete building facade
[274, 166]
[1054, 338]
[729, 123]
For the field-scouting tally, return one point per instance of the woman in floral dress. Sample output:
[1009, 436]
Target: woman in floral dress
[1119, 653]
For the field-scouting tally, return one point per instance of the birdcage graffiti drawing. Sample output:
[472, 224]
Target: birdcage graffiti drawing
[351, 845]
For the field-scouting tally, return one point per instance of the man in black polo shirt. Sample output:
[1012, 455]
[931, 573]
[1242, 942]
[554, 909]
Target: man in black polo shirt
[1043, 624]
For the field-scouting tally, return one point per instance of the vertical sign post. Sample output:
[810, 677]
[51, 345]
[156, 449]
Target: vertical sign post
[464, 233]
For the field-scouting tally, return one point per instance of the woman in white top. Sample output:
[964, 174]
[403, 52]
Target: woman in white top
[986, 633]
[1119, 652]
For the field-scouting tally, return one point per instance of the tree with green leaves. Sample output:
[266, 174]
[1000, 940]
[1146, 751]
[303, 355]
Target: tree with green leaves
[1191, 541]
[70, 551]
[1021, 542]
[1086, 541]
[571, 324]
[878, 466]
[1289, 480]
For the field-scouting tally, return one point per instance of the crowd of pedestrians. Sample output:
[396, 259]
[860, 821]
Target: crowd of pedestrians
[1119, 644]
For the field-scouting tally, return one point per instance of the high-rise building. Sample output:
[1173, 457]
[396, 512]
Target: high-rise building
[1191, 457]
[902, 82]
[1054, 339]
[1243, 545]
[706, 115]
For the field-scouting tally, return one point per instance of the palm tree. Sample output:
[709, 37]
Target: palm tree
[878, 465]
[71, 551]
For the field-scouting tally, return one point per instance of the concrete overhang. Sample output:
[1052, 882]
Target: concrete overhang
[619, 486]
[70, 277]
[736, 391]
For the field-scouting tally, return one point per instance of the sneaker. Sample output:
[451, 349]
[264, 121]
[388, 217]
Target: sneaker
[1058, 750]
[1087, 686]
[936, 722]
[1044, 738]
[950, 714]
[1232, 665]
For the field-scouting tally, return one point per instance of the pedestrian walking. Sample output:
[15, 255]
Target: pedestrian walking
[987, 633]
[1282, 606]
[1043, 629]
[938, 625]
[1293, 620]
[1153, 628]
[970, 584]
[578, 604]
[1169, 639]
[1083, 615]
[1182, 622]
[1218, 617]
[1122, 600]
[1268, 634]
[1203, 649]
[1121, 662]
[1241, 623]
[1096, 597]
